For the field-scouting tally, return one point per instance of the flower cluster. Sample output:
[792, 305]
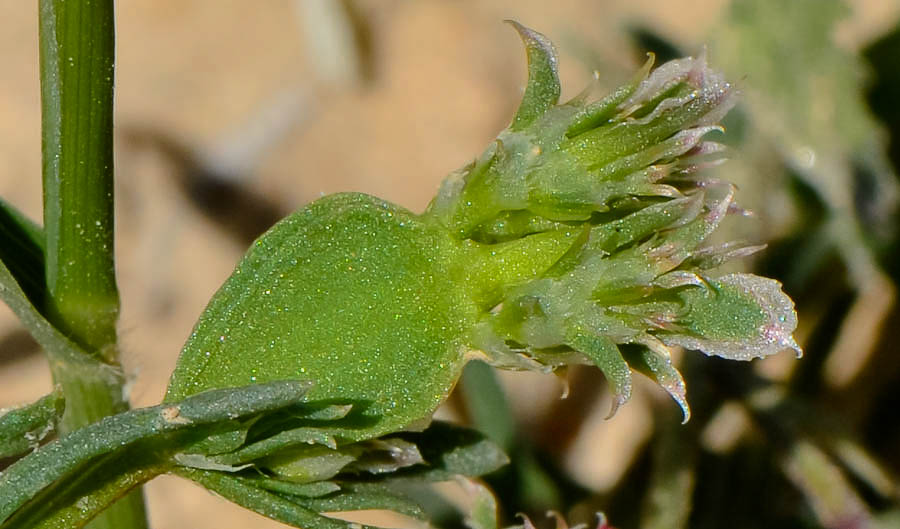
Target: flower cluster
[622, 177]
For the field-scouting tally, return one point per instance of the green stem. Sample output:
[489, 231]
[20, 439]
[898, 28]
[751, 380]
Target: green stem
[77, 46]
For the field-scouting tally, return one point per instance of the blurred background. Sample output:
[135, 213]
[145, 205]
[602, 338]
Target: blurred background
[232, 114]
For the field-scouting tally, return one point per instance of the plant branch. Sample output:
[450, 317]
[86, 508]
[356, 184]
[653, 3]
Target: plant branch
[85, 471]
[77, 48]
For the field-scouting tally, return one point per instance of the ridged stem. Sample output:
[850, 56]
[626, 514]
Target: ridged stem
[77, 53]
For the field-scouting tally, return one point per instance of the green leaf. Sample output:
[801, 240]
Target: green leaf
[262, 436]
[88, 493]
[597, 113]
[483, 514]
[487, 405]
[604, 354]
[222, 442]
[281, 441]
[362, 475]
[265, 495]
[386, 455]
[739, 317]
[449, 451]
[363, 496]
[264, 502]
[542, 91]
[657, 365]
[571, 164]
[289, 488]
[307, 464]
[352, 293]
[59, 348]
[22, 251]
[202, 462]
[22, 429]
[30, 475]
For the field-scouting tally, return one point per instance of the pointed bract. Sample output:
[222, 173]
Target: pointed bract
[542, 91]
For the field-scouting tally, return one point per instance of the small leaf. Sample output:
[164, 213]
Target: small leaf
[307, 463]
[542, 91]
[221, 443]
[363, 496]
[483, 514]
[301, 504]
[451, 451]
[740, 317]
[202, 462]
[270, 504]
[386, 455]
[328, 412]
[610, 236]
[604, 353]
[22, 251]
[310, 463]
[486, 404]
[303, 490]
[599, 112]
[22, 429]
[658, 367]
[54, 342]
[287, 439]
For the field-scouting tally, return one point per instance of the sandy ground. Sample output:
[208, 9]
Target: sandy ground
[215, 76]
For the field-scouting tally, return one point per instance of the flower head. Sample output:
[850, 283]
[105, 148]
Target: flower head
[620, 180]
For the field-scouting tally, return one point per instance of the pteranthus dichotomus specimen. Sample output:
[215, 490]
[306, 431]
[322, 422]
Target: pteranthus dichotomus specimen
[582, 227]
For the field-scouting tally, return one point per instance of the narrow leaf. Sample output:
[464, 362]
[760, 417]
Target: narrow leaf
[542, 91]
[278, 442]
[451, 451]
[483, 514]
[604, 353]
[363, 496]
[303, 490]
[307, 464]
[487, 405]
[58, 347]
[22, 251]
[203, 462]
[383, 456]
[81, 497]
[28, 476]
[659, 368]
[222, 442]
[264, 502]
[22, 429]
